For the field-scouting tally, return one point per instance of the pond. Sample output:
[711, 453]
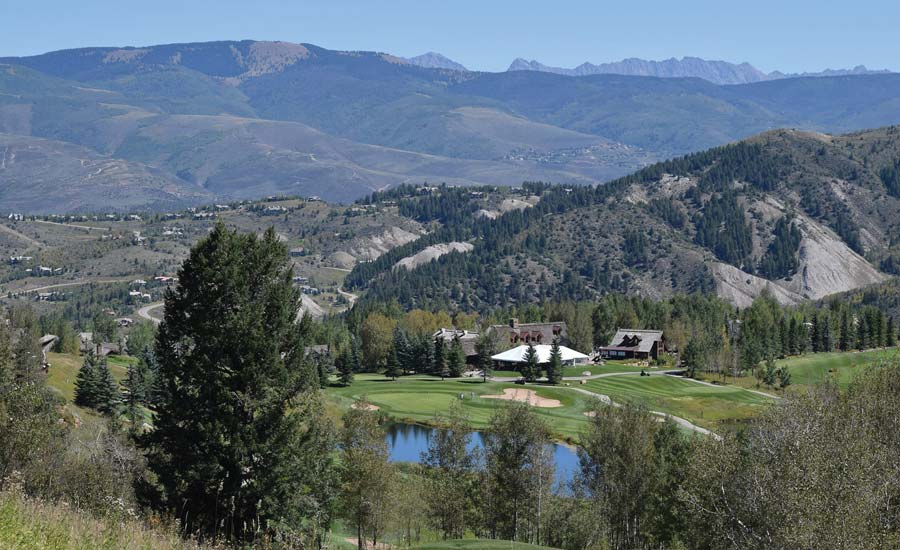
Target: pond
[407, 442]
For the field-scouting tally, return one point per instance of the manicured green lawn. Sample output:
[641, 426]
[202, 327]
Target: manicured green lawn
[420, 398]
[815, 368]
[707, 406]
[609, 367]
[577, 370]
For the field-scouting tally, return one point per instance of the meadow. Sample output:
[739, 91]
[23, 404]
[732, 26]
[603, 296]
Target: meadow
[814, 368]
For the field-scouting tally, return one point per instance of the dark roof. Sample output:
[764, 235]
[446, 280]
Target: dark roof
[514, 333]
[627, 339]
[467, 339]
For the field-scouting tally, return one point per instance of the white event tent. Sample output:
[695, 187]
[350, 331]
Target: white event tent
[517, 355]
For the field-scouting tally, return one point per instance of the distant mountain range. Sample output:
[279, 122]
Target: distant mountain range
[717, 72]
[434, 60]
[158, 126]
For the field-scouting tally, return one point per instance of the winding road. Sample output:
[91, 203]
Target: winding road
[144, 312]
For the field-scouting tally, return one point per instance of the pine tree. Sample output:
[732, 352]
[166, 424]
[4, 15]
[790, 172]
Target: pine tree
[136, 388]
[485, 349]
[846, 337]
[87, 382]
[239, 433]
[862, 333]
[531, 368]
[555, 366]
[107, 393]
[784, 337]
[456, 359]
[794, 336]
[392, 368]
[439, 359]
[402, 351]
[6, 364]
[344, 365]
[784, 377]
[770, 374]
[891, 333]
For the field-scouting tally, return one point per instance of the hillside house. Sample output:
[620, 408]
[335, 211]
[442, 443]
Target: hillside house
[515, 333]
[467, 340]
[635, 344]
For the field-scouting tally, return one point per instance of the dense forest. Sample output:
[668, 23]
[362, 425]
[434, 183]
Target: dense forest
[242, 454]
[748, 204]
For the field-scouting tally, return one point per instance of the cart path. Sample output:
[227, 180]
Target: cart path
[677, 419]
[705, 383]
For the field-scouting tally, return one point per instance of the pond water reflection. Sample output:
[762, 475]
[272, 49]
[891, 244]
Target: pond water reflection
[407, 442]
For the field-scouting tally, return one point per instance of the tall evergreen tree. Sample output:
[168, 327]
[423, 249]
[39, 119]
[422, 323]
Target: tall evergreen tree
[6, 362]
[439, 359]
[344, 365]
[456, 359]
[240, 445]
[862, 333]
[392, 367]
[555, 366]
[794, 336]
[87, 382]
[891, 333]
[107, 393]
[485, 349]
[531, 369]
[846, 340]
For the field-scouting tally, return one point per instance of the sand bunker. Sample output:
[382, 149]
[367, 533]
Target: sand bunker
[526, 396]
[364, 406]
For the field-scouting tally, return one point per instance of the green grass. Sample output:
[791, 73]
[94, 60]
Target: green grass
[840, 367]
[421, 398]
[64, 368]
[577, 370]
[815, 368]
[36, 525]
[609, 367]
[710, 407]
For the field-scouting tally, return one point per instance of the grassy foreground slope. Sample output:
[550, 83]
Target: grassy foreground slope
[32, 524]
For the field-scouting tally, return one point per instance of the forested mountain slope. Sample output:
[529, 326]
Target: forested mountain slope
[805, 215]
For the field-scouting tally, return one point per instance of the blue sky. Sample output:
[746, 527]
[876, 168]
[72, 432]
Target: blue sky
[788, 35]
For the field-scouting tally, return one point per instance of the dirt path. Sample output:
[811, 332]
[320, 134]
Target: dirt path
[76, 226]
[21, 236]
[64, 285]
[144, 312]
